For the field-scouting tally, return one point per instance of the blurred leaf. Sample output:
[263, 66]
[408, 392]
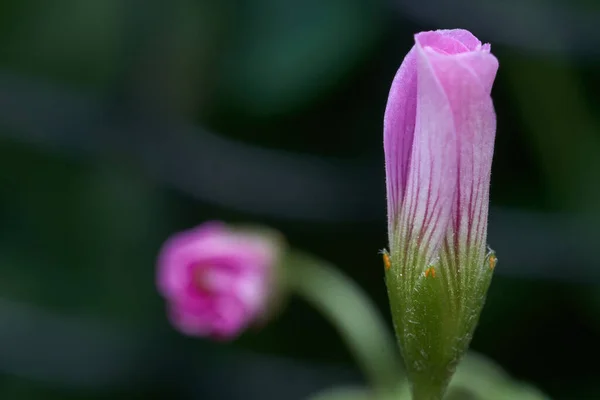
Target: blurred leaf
[485, 380]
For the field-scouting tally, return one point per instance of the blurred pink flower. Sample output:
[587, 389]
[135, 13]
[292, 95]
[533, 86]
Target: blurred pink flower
[216, 279]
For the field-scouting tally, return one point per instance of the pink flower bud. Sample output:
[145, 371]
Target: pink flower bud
[439, 131]
[217, 280]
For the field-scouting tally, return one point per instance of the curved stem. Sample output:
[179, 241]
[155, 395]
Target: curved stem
[354, 315]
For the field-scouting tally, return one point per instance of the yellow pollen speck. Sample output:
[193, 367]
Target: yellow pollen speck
[430, 272]
[493, 261]
[386, 261]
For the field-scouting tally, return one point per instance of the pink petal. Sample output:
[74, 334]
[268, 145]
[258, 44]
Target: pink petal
[440, 43]
[189, 321]
[465, 37]
[398, 132]
[467, 80]
[483, 65]
[219, 280]
[251, 290]
[230, 318]
[432, 174]
[173, 263]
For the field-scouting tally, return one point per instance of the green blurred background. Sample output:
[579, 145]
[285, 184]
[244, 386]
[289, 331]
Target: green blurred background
[124, 121]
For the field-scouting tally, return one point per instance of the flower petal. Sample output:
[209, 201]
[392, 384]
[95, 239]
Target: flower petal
[444, 44]
[431, 184]
[398, 132]
[483, 65]
[467, 79]
[462, 35]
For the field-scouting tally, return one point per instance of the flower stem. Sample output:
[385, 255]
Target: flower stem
[427, 390]
[354, 315]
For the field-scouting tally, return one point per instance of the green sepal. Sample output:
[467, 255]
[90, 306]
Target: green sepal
[435, 310]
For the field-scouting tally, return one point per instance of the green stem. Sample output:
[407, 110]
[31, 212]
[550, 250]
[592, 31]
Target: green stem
[354, 315]
[427, 390]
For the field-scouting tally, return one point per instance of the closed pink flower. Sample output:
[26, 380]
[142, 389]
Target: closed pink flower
[439, 131]
[217, 280]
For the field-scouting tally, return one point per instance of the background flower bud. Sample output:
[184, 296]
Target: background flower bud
[218, 280]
